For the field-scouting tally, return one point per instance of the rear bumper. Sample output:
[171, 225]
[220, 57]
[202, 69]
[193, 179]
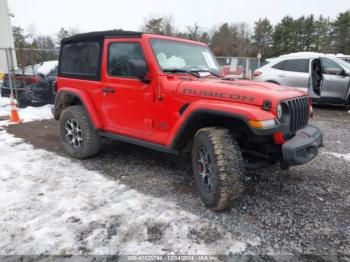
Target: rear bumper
[303, 147]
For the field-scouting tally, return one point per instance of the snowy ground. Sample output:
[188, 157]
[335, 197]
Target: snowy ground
[131, 200]
[53, 205]
[26, 114]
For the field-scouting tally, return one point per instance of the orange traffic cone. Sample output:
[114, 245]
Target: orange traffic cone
[14, 112]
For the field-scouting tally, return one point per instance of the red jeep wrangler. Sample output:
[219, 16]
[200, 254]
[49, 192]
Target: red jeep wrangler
[167, 94]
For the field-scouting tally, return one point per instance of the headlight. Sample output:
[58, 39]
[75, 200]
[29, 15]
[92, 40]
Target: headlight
[279, 111]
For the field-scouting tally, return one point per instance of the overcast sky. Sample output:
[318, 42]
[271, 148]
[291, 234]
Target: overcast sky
[48, 16]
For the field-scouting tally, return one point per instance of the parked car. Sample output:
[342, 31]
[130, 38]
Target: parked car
[325, 77]
[346, 58]
[34, 84]
[167, 94]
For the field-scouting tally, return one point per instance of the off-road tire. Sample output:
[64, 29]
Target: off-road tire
[91, 140]
[228, 167]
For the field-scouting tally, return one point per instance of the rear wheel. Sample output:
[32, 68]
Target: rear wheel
[78, 136]
[218, 167]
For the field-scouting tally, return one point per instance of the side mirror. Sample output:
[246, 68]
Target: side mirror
[344, 73]
[138, 68]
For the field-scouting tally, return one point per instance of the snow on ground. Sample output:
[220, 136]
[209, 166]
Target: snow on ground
[27, 114]
[342, 156]
[53, 205]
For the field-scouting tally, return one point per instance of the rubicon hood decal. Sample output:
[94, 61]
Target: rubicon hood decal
[242, 91]
[222, 95]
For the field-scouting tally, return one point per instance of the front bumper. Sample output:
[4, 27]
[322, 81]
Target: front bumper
[303, 147]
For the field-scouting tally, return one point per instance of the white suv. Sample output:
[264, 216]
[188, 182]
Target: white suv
[325, 77]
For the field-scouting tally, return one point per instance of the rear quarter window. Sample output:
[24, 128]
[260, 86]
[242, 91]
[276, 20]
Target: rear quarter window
[293, 65]
[81, 60]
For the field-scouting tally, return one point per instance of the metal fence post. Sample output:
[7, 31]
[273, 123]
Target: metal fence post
[8, 53]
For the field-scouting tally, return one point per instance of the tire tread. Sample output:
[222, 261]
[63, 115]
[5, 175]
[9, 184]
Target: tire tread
[229, 166]
[92, 141]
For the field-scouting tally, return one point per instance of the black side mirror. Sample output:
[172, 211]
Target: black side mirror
[138, 68]
[344, 73]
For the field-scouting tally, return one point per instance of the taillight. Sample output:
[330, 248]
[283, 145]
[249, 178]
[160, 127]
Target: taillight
[257, 73]
[29, 79]
[34, 79]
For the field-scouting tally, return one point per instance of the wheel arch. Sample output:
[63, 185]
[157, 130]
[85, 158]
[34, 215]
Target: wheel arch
[66, 97]
[207, 118]
[273, 81]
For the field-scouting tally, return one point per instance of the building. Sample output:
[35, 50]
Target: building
[6, 36]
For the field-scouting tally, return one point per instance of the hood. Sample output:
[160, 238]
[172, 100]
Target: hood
[242, 91]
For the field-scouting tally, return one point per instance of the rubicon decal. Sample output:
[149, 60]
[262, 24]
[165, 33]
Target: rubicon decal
[233, 96]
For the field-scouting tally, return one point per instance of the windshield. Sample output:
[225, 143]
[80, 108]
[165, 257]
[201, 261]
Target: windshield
[343, 63]
[180, 56]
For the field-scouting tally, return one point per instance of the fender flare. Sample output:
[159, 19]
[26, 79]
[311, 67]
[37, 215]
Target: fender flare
[347, 96]
[83, 98]
[243, 112]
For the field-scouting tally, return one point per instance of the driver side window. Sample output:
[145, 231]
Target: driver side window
[330, 67]
[119, 55]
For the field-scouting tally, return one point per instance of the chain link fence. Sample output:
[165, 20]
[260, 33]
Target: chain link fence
[29, 75]
[239, 67]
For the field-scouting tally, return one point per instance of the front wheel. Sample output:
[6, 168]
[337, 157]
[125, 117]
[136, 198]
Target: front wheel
[218, 167]
[78, 136]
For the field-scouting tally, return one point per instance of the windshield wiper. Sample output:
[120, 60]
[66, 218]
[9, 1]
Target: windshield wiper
[206, 71]
[191, 72]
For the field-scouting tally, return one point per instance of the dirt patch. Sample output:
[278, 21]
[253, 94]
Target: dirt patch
[41, 134]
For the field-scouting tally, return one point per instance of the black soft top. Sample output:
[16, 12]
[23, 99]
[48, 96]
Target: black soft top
[101, 35]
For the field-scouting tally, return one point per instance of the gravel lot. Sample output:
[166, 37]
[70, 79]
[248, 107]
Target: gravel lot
[302, 211]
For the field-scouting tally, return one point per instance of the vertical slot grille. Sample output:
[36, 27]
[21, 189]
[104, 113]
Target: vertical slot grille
[299, 113]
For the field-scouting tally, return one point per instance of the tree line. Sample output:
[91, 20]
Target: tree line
[306, 33]
[32, 49]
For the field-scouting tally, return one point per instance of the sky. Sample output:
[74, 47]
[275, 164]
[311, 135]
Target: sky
[46, 17]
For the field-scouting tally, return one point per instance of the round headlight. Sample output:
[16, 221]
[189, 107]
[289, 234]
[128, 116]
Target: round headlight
[279, 111]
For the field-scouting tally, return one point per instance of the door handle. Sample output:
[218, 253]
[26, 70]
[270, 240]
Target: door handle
[281, 75]
[108, 90]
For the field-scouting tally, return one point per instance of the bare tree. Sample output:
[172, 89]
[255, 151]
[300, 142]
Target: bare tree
[160, 25]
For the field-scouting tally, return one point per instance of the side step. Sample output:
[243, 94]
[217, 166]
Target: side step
[139, 142]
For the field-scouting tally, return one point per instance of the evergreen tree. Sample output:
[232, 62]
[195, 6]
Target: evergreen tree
[342, 33]
[262, 38]
[323, 33]
[63, 33]
[19, 37]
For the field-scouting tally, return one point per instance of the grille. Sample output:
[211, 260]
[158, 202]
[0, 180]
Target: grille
[299, 112]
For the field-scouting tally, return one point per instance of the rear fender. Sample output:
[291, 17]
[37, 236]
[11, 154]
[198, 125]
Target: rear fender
[60, 104]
